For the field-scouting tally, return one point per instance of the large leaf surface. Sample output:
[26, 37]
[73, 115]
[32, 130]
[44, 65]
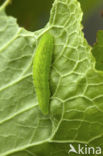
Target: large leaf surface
[76, 107]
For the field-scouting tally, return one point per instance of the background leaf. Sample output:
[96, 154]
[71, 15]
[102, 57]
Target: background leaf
[98, 51]
[89, 6]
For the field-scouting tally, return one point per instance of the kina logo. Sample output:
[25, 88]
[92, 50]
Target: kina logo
[84, 149]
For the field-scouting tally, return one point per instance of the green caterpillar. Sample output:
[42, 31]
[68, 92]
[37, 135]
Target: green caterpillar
[41, 71]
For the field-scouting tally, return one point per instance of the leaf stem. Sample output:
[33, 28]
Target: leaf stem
[7, 2]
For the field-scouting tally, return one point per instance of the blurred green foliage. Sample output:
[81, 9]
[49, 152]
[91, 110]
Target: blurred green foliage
[90, 6]
[31, 14]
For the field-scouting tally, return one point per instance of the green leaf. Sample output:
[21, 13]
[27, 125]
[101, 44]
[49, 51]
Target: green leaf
[77, 88]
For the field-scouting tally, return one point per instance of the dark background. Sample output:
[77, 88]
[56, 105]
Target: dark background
[34, 14]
